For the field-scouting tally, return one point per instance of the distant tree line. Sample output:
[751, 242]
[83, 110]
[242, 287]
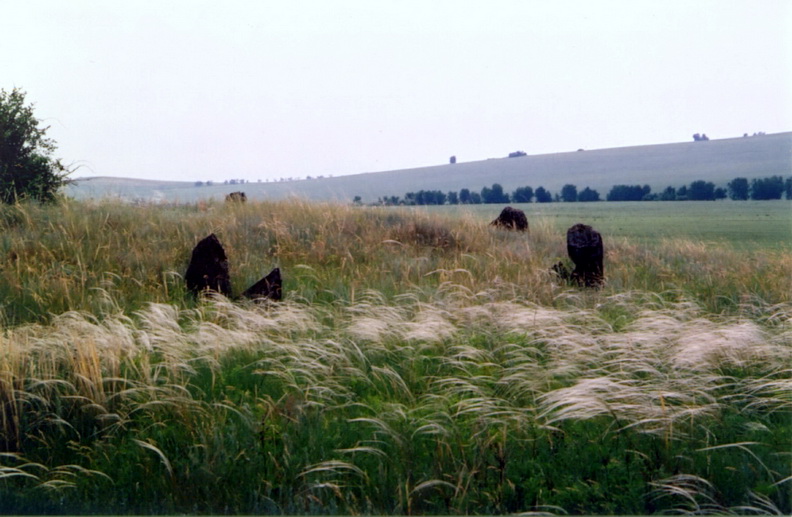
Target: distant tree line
[774, 187]
[489, 195]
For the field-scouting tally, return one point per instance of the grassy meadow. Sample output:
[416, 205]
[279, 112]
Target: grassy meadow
[422, 362]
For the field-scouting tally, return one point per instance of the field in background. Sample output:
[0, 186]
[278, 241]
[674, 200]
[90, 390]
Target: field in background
[422, 362]
[744, 224]
[658, 166]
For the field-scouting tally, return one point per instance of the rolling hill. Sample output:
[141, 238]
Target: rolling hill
[658, 166]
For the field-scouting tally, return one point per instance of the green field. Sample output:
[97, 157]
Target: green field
[422, 362]
[749, 224]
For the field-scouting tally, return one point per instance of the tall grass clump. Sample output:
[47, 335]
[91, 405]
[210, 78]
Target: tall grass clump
[418, 365]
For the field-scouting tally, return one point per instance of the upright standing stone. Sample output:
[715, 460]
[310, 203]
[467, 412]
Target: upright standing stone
[584, 246]
[208, 269]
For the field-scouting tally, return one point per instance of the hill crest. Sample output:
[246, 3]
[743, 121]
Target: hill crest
[657, 165]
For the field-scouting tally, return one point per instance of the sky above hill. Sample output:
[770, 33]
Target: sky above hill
[207, 90]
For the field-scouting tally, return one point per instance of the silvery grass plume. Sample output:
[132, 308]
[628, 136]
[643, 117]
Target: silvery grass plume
[457, 369]
[693, 495]
[669, 366]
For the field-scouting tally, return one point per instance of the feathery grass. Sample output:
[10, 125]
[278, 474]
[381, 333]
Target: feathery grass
[419, 364]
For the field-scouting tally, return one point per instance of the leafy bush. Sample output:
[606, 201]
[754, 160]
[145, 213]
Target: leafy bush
[27, 169]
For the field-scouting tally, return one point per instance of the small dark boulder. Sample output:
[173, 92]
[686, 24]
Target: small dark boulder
[236, 197]
[511, 219]
[584, 246]
[270, 287]
[208, 269]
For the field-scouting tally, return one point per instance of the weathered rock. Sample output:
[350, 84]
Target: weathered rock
[584, 246]
[208, 269]
[270, 287]
[511, 219]
[236, 197]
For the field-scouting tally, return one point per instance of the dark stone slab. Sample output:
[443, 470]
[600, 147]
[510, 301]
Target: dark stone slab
[270, 287]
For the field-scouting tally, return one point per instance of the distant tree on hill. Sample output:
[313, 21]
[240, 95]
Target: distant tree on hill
[700, 137]
[628, 193]
[701, 190]
[435, 197]
[738, 189]
[388, 200]
[588, 195]
[452, 160]
[485, 194]
[569, 193]
[494, 194]
[475, 198]
[464, 196]
[767, 188]
[543, 196]
[517, 154]
[788, 187]
[425, 197]
[453, 198]
[682, 193]
[522, 195]
[669, 194]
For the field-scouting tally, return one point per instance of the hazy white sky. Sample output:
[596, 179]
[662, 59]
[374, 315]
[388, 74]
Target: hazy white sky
[198, 90]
